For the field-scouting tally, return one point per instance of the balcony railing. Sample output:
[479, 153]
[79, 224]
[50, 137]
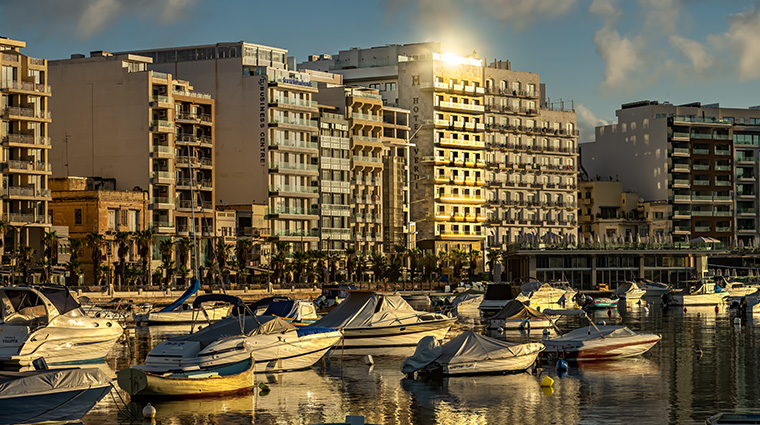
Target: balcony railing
[366, 117]
[293, 189]
[192, 139]
[304, 233]
[26, 139]
[293, 121]
[160, 98]
[293, 166]
[364, 158]
[295, 102]
[293, 143]
[26, 218]
[26, 86]
[366, 138]
[161, 123]
[27, 191]
[293, 211]
[163, 175]
[26, 112]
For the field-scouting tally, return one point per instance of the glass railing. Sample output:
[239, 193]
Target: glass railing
[293, 211]
[295, 102]
[293, 189]
[293, 166]
[366, 117]
[160, 123]
[702, 151]
[722, 167]
[360, 138]
[161, 98]
[293, 121]
[26, 112]
[362, 158]
[293, 143]
[304, 233]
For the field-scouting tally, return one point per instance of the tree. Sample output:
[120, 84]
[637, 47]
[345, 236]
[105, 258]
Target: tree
[166, 249]
[243, 251]
[332, 264]
[144, 240]
[457, 257]
[3, 230]
[473, 257]
[183, 247]
[415, 255]
[278, 265]
[96, 242]
[492, 257]
[379, 265]
[25, 260]
[300, 260]
[350, 262]
[50, 244]
[74, 265]
[123, 245]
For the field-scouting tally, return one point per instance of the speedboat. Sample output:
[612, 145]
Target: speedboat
[516, 315]
[538, 293]
[179, 312]
[234, 378]
[470, 353]
[467, 304]
[275, 344]
[630, 291]
[602, 302]
[297, 312]
[497, 295]
[371, 320]
[50, 395]
[654, 289]
[697, 293]
[47, 321]
[599, 343]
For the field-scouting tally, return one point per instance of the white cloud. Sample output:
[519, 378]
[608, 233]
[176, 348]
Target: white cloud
[697, 54]
[587, 123]
[662, 15]
[523, 13]
[741, 40]
[622, 57]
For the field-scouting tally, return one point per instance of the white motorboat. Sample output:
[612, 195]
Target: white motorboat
[371, 320]
[630, 291]
[179, 312]
[297, 312]
[497, 295]
[538, 293]
[599, 343]
[697, 293]
[47, 321]
[655, 289]
[469, 353]
[516, 315]
[50, 395]
[467, 304]
[275, 345]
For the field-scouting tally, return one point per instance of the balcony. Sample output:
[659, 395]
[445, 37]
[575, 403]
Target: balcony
[360, 138]
[25, 139]
[163, 176]
[26, 192]
[311, 190]
[294, 166]
[720, 167]
[162, 203]
[369, 159]
[25, 86]
[367, 117]
[696, 151]
[681, 168]
[297, 233]
[293, 211]
[26, 218]
[26, 166]
[161, 126]
[681, 182]
[161, 101]
[292, 143]
[461, 234]
[462, 198]
[289, 101]
[289, 121]
[461, 143]
[459, 106]
[162, 151]
[192, 139]
[15, 112]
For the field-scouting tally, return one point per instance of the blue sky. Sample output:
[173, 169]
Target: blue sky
[597, 53]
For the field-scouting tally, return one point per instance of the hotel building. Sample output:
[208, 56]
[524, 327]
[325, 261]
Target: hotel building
[25, 119]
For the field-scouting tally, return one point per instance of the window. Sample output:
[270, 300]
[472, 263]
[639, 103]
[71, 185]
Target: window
[112, 217]
[375, 86]
[78, 217]
[124, 219]
[390, 86]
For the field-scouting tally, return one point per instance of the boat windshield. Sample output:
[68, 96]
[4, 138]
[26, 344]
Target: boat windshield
[22, 307]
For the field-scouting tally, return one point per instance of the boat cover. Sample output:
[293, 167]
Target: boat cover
[236, 325]
[515, 310]
[466, 347]
[363, 309]
[467, 297]
[237, 304]
[16, 384]
[290, 309]
[194, 287]
[626, 287]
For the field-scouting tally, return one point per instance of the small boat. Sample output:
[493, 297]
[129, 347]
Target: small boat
[697, 293]
[297, 312]
[516, 315]
[418, 301]
[232, 378]
[47, 321]
[654, 289]
[470, 353]
[179, 312]
[733, 419]
[599, 343]
[276, 345]
[50, 395]
[630, 291]
[497, 295]
[332, 295]
[467, 304]
[370, 320]
[538, 293]
[602, 302]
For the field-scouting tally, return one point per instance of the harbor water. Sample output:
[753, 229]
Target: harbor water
[704, 364]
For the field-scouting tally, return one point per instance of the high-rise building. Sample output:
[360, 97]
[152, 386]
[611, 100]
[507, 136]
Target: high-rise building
[397, 231]
[146, 130]
[334, 181]
[701, 159]
[265, 126]
[24, 128]
[444, 94]
[532, 157]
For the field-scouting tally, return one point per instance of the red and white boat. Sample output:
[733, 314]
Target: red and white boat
[599, 343]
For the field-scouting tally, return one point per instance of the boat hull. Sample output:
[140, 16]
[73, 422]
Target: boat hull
[63, 406]
[522, 324]
[697, 299]
[139, 384]
[492, 366]
[632, 295]
[601, 350]
[213, 314]
[394, 336]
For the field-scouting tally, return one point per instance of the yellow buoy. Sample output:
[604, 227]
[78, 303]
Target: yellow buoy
[547, 382]
[547, 391]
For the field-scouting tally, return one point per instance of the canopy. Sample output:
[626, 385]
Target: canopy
[194, 287]
[466, 347]
[265, 302]
[235, 301]
[501, 291]
[704, 239]
[515, 310]
[18, 384]
[363, 309]
[466, 297]
[594, 332]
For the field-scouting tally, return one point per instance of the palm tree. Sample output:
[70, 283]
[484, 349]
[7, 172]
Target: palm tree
[379, 265]
[124, 243]
[144, 240]
[415, 255]
[299, 264]
[50, 244]
[183, 247]
[431, 264]
[25, 259]
[46, 271]
[474, 255]
[243, 251]
[3, 230]
[457, 257]
[278, 265]
[492, 257]
[332, 264]
[96, 242]
[361, 262]
[166, 248]
[350, 262]
[74, 267]
[443, 261]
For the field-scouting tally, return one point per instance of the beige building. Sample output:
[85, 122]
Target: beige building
[92, 205]
[24, 129]
[142, 128]
[396, 226]
[532, 157]
[266, 120]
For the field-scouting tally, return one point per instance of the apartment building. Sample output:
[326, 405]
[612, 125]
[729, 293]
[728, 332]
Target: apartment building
[532, 159]
[444, 94]
[146, 130]
[25, 120]
[335, 192]
[396, 229]
[265, 125]
[701, 159]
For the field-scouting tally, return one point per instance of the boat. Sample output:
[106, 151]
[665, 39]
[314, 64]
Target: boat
[697, 293]
[540, 293]
[602, 302]
[733, 419]
[179, 312]
[654, 289]
[516, 315]
[599, 343]
[497, 295]
[226, 379]
[418, 301]
[297, 312]
[470, 353]
[332, 295]
[275, 344]
[467, 304]
[47, 321]
[50, 395]
[630, 291]
[375, 319]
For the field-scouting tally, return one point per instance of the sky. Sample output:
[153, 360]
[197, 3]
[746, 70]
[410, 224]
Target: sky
[593, 54]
